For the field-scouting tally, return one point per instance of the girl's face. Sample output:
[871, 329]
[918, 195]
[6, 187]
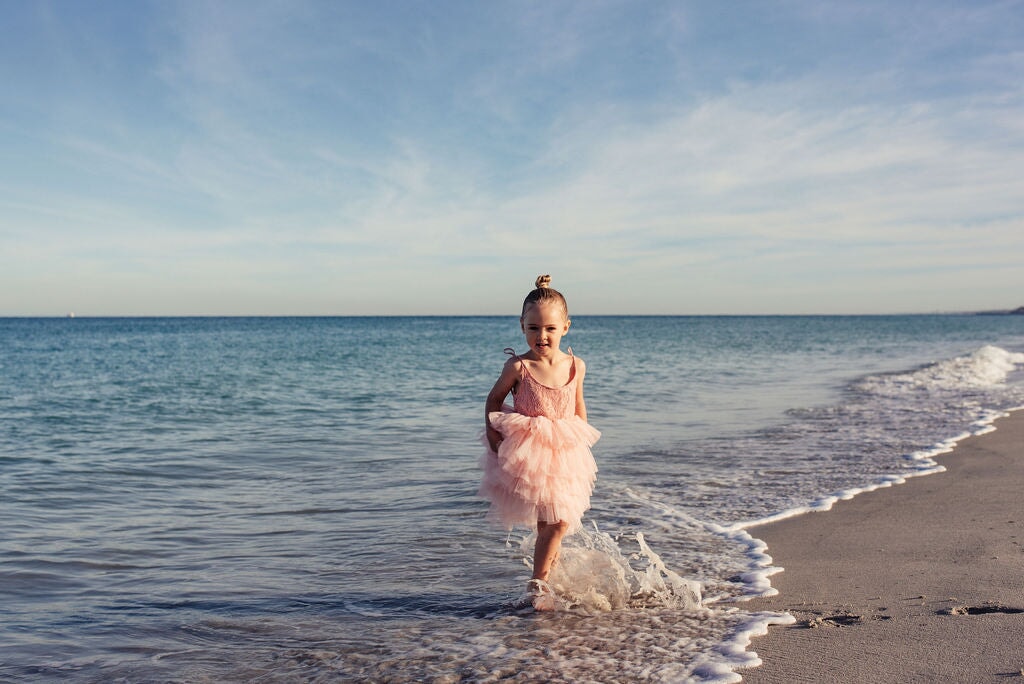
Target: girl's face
[544, 323]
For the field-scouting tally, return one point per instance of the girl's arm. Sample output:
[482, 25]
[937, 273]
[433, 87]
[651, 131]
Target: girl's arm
[505, 383]
[581, 406]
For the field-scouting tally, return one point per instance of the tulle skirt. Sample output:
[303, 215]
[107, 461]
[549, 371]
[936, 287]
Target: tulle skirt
[543, 470]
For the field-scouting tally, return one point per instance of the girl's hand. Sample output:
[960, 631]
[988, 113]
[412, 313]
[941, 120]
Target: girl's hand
[493, 438]
[505, 384]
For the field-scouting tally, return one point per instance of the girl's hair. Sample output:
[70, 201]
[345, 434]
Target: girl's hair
[545, 293]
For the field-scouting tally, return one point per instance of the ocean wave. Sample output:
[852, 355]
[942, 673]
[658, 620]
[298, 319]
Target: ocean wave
[986, 367]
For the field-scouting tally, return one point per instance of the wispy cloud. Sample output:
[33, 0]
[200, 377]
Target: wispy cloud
[278, 157]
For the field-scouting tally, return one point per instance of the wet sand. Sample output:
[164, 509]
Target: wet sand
[920, 582]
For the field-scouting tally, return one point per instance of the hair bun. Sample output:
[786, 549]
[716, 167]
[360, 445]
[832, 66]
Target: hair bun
[542, 281]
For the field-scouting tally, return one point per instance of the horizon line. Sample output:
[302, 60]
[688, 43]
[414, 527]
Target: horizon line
[75, 316]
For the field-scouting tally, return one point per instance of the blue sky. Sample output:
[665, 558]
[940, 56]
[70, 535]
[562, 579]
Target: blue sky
[377, 157]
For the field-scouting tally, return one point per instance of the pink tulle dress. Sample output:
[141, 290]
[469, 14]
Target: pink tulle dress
[543, 469]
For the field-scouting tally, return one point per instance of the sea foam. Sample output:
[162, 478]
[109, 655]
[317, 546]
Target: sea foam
[985, 367]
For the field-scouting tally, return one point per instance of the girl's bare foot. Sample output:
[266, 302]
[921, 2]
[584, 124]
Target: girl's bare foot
[542, 595]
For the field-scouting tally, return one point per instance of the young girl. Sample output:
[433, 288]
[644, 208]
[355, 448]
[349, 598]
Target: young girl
[538, 468]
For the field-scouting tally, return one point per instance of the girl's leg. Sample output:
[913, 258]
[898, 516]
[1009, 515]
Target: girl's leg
[545, 552]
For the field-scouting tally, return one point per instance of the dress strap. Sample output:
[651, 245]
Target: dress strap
[511, 352]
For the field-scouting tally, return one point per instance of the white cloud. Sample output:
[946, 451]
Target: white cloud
[300, 157]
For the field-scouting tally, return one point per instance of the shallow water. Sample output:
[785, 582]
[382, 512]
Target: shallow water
[278, 499]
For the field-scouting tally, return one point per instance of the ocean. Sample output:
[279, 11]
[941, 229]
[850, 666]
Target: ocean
[293, 499]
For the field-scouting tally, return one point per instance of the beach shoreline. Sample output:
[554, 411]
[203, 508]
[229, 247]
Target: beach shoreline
[923, 581]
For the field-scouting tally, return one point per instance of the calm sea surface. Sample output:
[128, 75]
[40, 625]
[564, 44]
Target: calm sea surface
[282, 499]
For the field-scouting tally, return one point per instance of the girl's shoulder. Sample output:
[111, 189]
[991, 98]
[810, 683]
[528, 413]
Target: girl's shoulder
[514, 362]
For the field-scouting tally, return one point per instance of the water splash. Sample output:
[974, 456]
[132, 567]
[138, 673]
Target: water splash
[594, 574]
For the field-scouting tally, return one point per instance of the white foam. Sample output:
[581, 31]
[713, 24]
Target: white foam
[756, 579]
[986, 367]
[721, 663]
[923, 463]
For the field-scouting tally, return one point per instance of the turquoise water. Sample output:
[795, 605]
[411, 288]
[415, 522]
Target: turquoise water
[293, 498]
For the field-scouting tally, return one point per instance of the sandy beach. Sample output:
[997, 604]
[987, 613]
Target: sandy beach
[922, 581]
